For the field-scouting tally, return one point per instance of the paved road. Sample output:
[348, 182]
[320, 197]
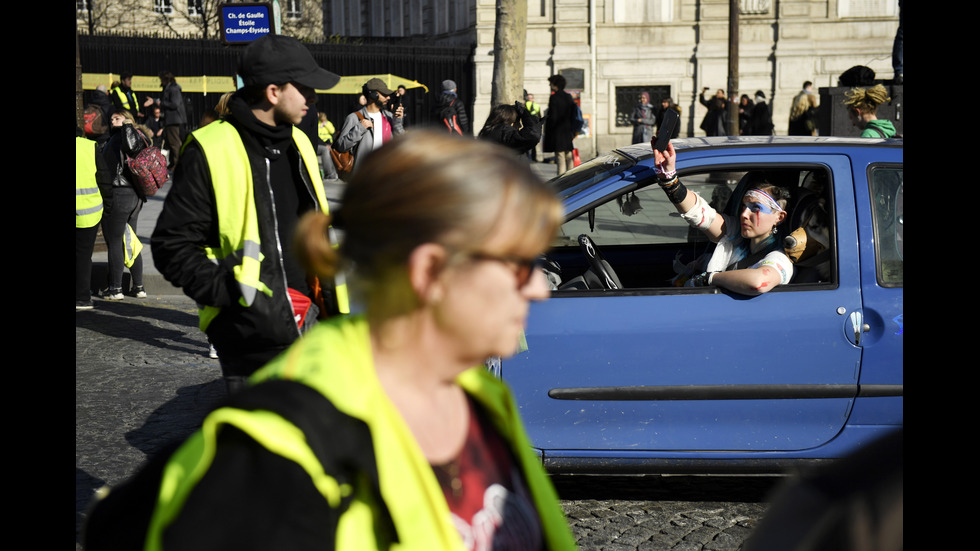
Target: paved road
[143, 378]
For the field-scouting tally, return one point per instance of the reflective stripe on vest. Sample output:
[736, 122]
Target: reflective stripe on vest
[335, 358]
[123, 99]
[132, 246]
[88, 199]
[234, 193]
[191, 461]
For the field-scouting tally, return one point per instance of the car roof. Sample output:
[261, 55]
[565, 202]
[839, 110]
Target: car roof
[643, 151]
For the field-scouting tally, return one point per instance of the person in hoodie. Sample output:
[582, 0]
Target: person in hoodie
[862, 106]
[225, 234]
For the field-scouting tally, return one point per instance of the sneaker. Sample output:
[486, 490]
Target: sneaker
[111, 294]
[139, 291]
[83, 305]
[212, 352]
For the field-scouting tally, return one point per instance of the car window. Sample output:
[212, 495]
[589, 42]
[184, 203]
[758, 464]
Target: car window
[596, 170]
[646, 242]
[886, 194]
[646, 217]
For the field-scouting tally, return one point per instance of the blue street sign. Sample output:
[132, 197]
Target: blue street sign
[243, 23]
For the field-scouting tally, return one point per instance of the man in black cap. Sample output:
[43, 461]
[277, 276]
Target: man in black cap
[225, 234]
[371, 126]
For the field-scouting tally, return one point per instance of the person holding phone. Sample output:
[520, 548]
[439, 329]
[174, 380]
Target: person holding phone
[748, 258]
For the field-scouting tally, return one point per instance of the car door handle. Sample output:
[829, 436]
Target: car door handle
[857, 326]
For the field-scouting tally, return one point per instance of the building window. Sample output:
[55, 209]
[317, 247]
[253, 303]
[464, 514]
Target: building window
[627, 97]
[194, 8]
[294, 9]
[643, 11]
[165, 7]
[867, 8]
[82, 6]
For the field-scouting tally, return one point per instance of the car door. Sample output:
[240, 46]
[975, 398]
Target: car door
[879, 328]
[644, 371]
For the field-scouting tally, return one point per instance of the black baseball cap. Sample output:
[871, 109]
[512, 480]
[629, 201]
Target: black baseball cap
[277, 59]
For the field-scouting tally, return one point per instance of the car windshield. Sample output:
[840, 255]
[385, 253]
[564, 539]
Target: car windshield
[586, 174]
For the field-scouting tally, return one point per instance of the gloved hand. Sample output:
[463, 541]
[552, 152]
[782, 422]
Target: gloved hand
[701, 280]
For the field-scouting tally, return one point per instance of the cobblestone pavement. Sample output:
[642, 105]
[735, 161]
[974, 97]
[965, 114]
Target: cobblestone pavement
[143, 379]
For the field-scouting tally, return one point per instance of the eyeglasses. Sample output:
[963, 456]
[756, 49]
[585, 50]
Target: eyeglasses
[523, 268]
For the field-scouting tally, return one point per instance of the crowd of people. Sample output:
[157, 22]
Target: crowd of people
[120, 127]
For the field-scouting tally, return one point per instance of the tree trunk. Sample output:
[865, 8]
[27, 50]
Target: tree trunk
[508, 52]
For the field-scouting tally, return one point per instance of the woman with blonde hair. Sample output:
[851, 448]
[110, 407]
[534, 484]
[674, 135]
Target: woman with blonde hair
[385, 427]
[803, 115]
[862, 106]
[123, 201]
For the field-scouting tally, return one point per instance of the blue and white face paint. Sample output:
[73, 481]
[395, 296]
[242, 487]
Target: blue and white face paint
[757, 201]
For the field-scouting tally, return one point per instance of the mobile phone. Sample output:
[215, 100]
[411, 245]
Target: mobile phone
[666, 129]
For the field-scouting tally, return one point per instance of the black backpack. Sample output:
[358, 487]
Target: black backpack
[448, 117]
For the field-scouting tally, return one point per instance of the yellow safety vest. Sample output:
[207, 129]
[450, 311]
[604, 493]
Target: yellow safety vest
[335, 359]
[325, 131]
[88, 199]
[132, 246]
[533, 108]
[123, 99]
[238, 226]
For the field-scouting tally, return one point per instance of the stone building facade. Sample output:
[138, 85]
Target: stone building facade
[611, 49]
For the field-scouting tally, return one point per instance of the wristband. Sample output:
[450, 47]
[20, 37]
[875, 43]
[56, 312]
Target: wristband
[675, 190]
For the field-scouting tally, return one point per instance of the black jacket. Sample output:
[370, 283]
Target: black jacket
[520, 140]
[189, 221]
[558, 133]
[125, 142]
[448, 99]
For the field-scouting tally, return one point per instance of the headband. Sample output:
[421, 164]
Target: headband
[764, 198]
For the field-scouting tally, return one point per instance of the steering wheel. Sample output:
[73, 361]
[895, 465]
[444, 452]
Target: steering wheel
[598, 264]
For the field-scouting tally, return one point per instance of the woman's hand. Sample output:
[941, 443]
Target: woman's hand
[666, 159]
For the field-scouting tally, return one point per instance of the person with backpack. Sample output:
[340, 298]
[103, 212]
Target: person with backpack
[862, 106]
[559, 124]
[450, 113]
[96, 115]
[370, 126]
[123, 200]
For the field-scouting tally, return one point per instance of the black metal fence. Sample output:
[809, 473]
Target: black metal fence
[425, 63]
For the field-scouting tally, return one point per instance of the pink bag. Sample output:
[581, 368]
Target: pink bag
[149, 168]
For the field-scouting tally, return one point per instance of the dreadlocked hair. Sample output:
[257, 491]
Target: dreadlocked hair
[866, 99]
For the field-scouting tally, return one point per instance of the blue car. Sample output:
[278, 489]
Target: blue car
[629, 371]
